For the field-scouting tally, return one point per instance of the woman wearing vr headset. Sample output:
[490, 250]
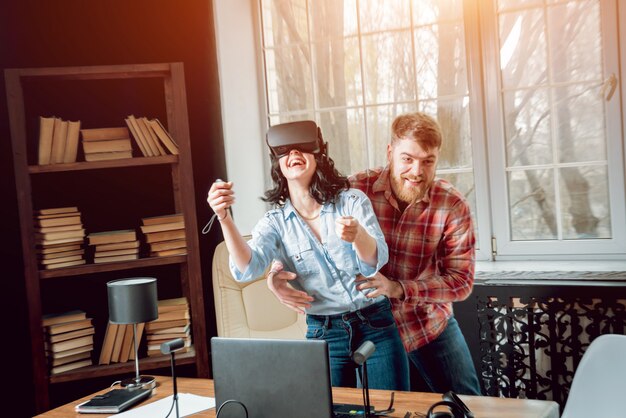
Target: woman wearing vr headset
[327, 234]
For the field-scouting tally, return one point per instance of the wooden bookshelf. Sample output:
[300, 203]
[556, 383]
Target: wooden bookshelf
[171, 77]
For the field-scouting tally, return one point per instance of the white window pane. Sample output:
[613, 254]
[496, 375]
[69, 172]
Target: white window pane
[379, 15]
[338, 73]
[504, 5]
[332, 19]
[345, 132]
[426, 12]
[575, 41]
[284, 22]
[288, 79]
[291, 117]
[585, 202]
[581, 132]
[532, 205]
[456, 149]
[464, 183]
[388, 67]
[522, 49]
[440, 60]
[379, 119]
[527, 128]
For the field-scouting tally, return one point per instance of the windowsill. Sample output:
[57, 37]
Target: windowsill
[550, 272]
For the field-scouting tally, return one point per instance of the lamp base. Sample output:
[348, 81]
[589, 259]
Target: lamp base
[144, 382]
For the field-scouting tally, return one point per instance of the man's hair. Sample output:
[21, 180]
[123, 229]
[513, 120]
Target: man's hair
[419, 127]
[325, 187]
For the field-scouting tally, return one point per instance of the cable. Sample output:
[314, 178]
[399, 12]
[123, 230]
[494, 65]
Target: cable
[231, 401]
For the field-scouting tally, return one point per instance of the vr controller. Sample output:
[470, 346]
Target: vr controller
[305, 136]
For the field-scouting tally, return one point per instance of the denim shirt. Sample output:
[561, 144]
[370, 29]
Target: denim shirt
[325, 270]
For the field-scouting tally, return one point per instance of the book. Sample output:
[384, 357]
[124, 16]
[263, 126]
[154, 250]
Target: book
[69, 359]
[71, 142]
[168, 245]
[65, 264]
[157, 352]
[45, 243]
[172, 330]
[59, 255]
[164, 235]
[63, 317]
[113, 401]
[117, 344]
[169, 226]
[57, 211]
[71, 366]
[117, 246]
[127, 344]
[111, 145]
[150, 136]
[163, 219]
[71, 334]
[60, 228]
[163, 135]
[99, 134]
[156, 345]
[50, 236]
[111, 253]
[169, 253]
[156, 325]
[126, 257]
[173, 315]
[74, 325]
[59, 260]
[46, 129]
[70, 352]
[151, 148]
[131, 121]
[109, 237]
[58, 221]
[108, 342]
[167, 336]
[104, 156]
[173, 304]
[73, 343]
[58, 249]
[59, 136]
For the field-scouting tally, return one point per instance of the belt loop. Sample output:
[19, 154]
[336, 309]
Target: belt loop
[360, 315]
[327, 322]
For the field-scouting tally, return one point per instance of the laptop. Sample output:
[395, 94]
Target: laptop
[273, 378]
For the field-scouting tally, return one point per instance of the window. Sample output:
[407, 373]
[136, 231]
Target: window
[553, 142]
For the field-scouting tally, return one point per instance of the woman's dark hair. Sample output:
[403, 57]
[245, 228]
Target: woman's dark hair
[326, 183]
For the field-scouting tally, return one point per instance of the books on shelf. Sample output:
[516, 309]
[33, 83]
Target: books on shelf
[106, 143]
[118, 344]
[165, 235]
[173, 322]
[111, 237]
[151, 137]
[59, 235]
[68, 339]
[58, 140]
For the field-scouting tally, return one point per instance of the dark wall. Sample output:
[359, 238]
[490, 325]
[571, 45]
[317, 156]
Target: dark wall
[77, 33]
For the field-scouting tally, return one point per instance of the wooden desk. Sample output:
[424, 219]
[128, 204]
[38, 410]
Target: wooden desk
[483, 407]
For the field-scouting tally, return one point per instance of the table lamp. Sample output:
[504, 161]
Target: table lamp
[133, 301]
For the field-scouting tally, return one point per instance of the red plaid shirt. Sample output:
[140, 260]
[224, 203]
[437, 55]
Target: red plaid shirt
[431, 253]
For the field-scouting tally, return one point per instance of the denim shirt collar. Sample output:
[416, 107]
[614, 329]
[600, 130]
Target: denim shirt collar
[289, 210]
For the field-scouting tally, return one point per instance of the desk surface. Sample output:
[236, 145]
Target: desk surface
[483, 407]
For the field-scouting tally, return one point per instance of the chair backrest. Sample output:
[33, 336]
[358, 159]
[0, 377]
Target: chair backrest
[250, 310]
[599, 385]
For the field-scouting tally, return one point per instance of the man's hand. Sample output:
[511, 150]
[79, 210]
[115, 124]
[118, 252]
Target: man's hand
[278, 283]
[380, 285]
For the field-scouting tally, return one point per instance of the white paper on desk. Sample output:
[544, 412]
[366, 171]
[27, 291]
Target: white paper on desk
[188, 404]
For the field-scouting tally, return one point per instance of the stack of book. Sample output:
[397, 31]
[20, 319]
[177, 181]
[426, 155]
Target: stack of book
[118, 345]
[60, 237]
[68, 340]
[117, 245]
[165, 235]
[106, 143]
[173, 322]
[151, 137]
[58, 140]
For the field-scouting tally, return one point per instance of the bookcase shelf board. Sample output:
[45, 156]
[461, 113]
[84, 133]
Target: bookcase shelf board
[144, 88]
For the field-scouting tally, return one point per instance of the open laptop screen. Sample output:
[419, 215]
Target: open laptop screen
[272, 378]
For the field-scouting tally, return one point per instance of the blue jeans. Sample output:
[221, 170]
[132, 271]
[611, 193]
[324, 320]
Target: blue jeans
[387, 367]
[445, 364]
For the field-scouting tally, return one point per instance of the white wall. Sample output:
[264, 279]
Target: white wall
[240, 74]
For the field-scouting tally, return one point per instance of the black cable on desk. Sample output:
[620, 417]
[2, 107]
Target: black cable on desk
[231, 401]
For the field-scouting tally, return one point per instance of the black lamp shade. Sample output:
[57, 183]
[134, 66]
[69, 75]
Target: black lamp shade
[133, 300]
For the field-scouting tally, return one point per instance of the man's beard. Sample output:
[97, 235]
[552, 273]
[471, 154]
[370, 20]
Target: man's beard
[405, 193]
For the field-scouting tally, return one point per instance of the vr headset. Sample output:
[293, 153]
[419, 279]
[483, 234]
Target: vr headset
[305, 136]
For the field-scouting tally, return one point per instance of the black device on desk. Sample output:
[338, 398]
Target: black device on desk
[113, 401]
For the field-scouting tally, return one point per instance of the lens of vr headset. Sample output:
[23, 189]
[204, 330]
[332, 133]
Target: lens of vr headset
[310, 147]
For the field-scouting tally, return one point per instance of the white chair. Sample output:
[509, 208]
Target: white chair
[599, 385]
[250, 310]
